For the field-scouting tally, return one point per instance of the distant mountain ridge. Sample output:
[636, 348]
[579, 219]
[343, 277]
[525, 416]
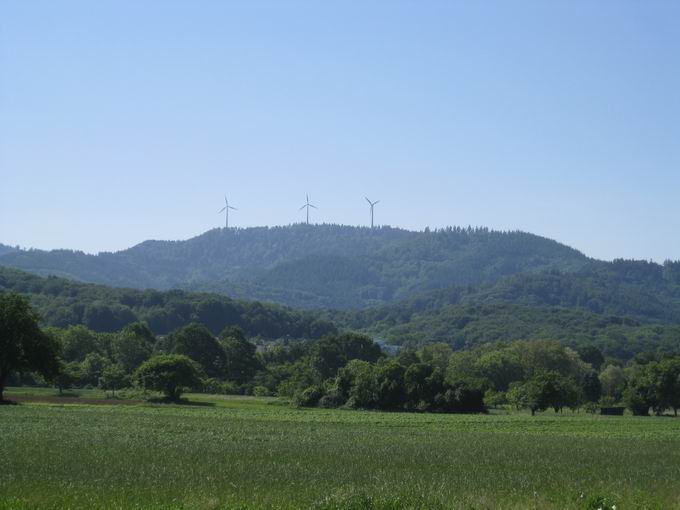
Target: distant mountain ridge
[6, 249]
[312, 266]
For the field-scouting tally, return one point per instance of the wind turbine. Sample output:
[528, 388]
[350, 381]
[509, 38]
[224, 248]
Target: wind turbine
[225, 209]
[307, 206]
[372, 204]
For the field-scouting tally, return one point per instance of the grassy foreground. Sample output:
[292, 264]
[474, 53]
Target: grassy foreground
[256, 453]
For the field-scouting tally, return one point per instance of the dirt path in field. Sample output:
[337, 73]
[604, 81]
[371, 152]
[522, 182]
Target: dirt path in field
[71, 400]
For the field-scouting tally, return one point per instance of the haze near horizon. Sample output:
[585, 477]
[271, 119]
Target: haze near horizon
[124, 121]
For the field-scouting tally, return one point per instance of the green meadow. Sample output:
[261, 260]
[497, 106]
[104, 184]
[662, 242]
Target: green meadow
[260, 453]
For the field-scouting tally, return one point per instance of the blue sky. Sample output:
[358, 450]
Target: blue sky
[122, 121]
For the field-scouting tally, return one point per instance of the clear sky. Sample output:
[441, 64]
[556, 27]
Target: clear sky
[122, 121]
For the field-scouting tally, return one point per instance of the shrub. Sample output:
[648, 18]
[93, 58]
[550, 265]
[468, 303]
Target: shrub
[331, 400]
[597, 502]
[461, 398]
[214, 386]
[494, 398]
[308, 398]
[360, 501]
[261, 391]
[591, 407]
[230, 388]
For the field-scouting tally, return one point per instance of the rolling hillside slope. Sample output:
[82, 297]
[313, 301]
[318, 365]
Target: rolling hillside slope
[61, 303]
[312, 266]
[462, 323]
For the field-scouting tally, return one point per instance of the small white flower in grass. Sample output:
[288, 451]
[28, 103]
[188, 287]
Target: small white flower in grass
[613, 507]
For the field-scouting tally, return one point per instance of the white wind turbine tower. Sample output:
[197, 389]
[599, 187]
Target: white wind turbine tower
[372, 204]
[225, 209]
[307, 206]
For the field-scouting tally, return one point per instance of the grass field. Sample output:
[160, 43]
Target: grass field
[239, 452]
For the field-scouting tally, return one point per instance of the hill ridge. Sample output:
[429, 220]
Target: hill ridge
[369, 266]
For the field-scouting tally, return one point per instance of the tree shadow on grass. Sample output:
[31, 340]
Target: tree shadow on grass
[66, 394]
[181, 402]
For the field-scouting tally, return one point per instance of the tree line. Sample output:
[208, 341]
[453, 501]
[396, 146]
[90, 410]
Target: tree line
[465, 326]
[62, 303]
[338, 370]
[431, 318]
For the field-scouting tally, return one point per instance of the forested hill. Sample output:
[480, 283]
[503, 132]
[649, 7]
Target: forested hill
[639, 289]
[446, 316]
[6, 249]
[61, 303]
[312, 266]
[643, 290]
[624, 307]
[469, 326]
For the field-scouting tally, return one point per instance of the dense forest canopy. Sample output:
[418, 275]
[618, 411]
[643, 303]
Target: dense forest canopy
[339, 370]
[292, 265]
[460, 286]
[6, 249]
[63, 303]
[645, 290]
[461, 317]
[639, 289]
[624, 307]
[469, 326]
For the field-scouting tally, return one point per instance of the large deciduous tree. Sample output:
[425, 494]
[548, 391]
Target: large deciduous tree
[197, 342]
[77, 342]
[546, 388]
[334, 351]
[613, 381]
[132, 346]
[390, 390]
[23, 346]
[241, 361]
[113, 378]
[170, 374]
[640, 393]
[666, 379]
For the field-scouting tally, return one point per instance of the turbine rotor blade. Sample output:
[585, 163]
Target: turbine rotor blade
[301, 208]
[233, 208]
[315, 207]
[221, 210]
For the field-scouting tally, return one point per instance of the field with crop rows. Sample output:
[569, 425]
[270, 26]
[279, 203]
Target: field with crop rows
[238, 452]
